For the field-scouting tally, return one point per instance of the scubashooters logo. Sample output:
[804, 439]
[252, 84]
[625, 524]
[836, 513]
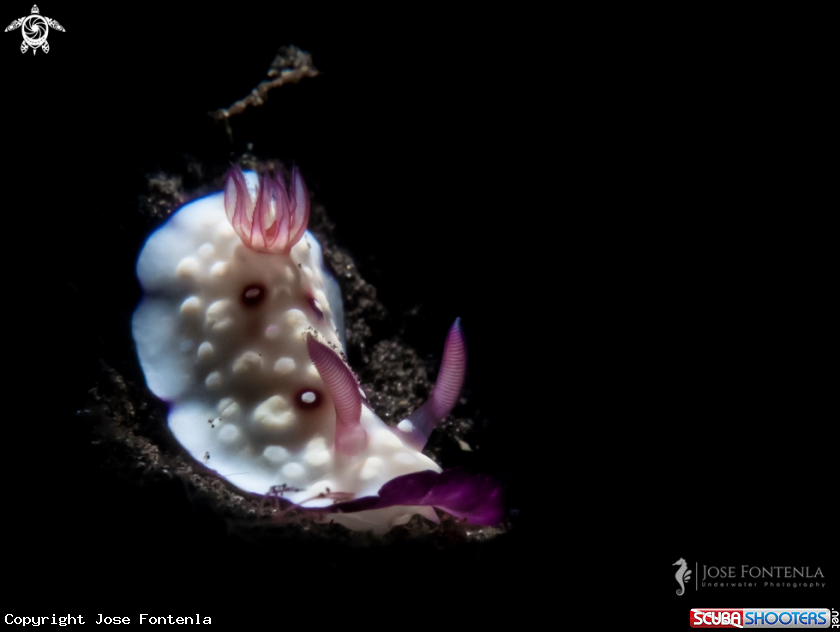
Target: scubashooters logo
[781, 618]
[35, 28]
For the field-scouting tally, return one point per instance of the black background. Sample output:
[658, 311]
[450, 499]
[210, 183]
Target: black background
[623, 220]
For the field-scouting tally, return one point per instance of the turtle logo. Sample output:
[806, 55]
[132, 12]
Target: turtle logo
[35, 29]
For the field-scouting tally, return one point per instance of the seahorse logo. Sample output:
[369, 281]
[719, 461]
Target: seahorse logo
[683, 575]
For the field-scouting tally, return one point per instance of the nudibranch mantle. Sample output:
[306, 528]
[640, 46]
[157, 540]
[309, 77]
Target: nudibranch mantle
[230, 338]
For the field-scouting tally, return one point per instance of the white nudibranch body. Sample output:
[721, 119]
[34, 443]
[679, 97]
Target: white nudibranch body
[221, 334]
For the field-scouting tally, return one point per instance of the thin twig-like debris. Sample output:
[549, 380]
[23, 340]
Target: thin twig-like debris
[289, 66]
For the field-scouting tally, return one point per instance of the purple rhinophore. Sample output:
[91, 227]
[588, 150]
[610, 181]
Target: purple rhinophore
[350, 437]
[453, 367]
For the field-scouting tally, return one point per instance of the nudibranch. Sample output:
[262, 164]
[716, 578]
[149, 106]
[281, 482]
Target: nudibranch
[240, 331]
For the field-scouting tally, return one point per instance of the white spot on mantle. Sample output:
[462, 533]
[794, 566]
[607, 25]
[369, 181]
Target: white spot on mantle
[191, 306]
[214, 380]
[229, 433]
[274, 413]
[293, 470]
[284, 366]
[205, 350]
[246, 363]
[188, 267]
[276, 453]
